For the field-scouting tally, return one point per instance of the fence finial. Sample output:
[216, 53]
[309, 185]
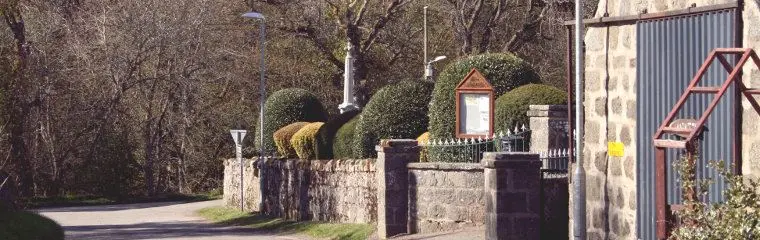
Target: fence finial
[524, 128]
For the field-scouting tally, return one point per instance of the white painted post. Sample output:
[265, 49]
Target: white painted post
[348, 81]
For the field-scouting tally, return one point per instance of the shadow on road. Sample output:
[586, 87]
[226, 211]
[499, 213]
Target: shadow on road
[153, 231]
[107, 208]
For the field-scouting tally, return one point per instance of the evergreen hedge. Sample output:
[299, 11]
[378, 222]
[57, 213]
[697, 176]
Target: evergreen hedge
[288, 106]
[304, 141]
[327, 133]
[503, 70]
[282, 139]
[510, 109]
[397, 111]
[343, 143]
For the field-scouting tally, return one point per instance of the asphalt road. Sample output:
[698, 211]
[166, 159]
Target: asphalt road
[166, 220]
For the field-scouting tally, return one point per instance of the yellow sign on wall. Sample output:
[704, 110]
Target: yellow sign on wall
[615, 149]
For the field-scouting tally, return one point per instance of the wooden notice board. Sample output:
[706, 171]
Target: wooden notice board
[474, 106]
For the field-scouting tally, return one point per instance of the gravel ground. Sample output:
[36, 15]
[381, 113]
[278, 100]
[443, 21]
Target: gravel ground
[164, 220]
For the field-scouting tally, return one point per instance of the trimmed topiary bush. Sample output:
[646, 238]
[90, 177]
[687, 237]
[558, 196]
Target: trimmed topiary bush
[288, 106]
[344, 140]
[424, 138]
[326, 134]
[282, 139]
[396, 111]
[510, 109]
[304, 141]
[503, 70]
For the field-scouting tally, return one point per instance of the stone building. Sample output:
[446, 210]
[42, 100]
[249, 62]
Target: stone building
[640, 56]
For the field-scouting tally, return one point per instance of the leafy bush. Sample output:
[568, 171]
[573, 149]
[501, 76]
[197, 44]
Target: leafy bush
[288, 106]
[424, 138]
[503, 70]
[326, 134]
[396, 111]
[738, 217]
[28, 225]
[510, 108]
[344, 140]
[282, 139]
[304, 141]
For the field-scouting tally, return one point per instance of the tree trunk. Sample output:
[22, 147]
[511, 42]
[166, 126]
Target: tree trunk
[17, 106]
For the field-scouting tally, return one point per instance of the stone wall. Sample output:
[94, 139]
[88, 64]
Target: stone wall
[445, 196]
[610, 112]
[319, 190]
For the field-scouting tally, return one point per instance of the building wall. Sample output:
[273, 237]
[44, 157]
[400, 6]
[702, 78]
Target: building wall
[750, 119]
[610, 112]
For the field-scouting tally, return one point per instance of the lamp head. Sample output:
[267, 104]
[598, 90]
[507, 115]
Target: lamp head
[254, 15]
[438, 58]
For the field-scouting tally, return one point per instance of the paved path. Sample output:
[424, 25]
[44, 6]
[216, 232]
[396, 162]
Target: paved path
[167, 220]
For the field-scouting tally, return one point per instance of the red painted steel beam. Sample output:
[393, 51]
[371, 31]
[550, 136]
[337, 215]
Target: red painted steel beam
[731, 50]
[682, 100]
[731, 78]
[660, 193]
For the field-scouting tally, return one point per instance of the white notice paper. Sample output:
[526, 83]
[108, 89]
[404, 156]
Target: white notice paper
[474, 113]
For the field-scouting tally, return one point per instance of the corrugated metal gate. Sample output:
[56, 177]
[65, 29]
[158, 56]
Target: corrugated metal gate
[669, 53]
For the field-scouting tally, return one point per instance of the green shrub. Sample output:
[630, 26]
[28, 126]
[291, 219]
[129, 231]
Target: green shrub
[326, 134]
[288, 106]
[282, 139]
[738, 217]
[397, 111]
[304, 141]
[510, 109]
[344, 140]
[20, 225]
[503, 70]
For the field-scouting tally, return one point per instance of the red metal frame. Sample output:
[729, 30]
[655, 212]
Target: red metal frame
[688, 143]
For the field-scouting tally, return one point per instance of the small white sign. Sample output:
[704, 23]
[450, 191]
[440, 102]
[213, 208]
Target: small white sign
[475, 113]
[238, 136]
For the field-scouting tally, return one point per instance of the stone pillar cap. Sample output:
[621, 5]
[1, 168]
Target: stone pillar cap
[503, 159]
[547, 111]
[397, 145]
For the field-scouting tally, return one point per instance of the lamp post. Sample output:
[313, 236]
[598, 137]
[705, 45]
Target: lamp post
[579, 176]
[262, 96]
[428, 64]
[429, 67]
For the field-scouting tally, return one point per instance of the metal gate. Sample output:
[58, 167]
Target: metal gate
[669, 53]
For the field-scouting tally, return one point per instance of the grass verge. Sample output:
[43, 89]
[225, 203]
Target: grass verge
[234, 217]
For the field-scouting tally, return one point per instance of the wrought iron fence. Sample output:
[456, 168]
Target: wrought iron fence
[470, 150]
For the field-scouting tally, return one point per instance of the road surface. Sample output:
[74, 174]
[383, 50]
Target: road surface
[166, 220]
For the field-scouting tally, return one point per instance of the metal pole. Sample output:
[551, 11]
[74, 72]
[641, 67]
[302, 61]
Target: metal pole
[579, 177]
[425, 63]
[262, 98]
[239, 155]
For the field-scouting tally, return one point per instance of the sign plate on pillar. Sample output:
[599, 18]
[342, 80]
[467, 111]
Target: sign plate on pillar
[474, 106]
[238, 136]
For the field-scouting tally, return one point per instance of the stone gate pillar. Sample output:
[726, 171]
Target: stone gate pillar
[393, 185]
[548, 126]
[513, 195]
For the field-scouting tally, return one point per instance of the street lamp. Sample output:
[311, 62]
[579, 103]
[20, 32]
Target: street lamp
[262, 97]
[429, 67]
